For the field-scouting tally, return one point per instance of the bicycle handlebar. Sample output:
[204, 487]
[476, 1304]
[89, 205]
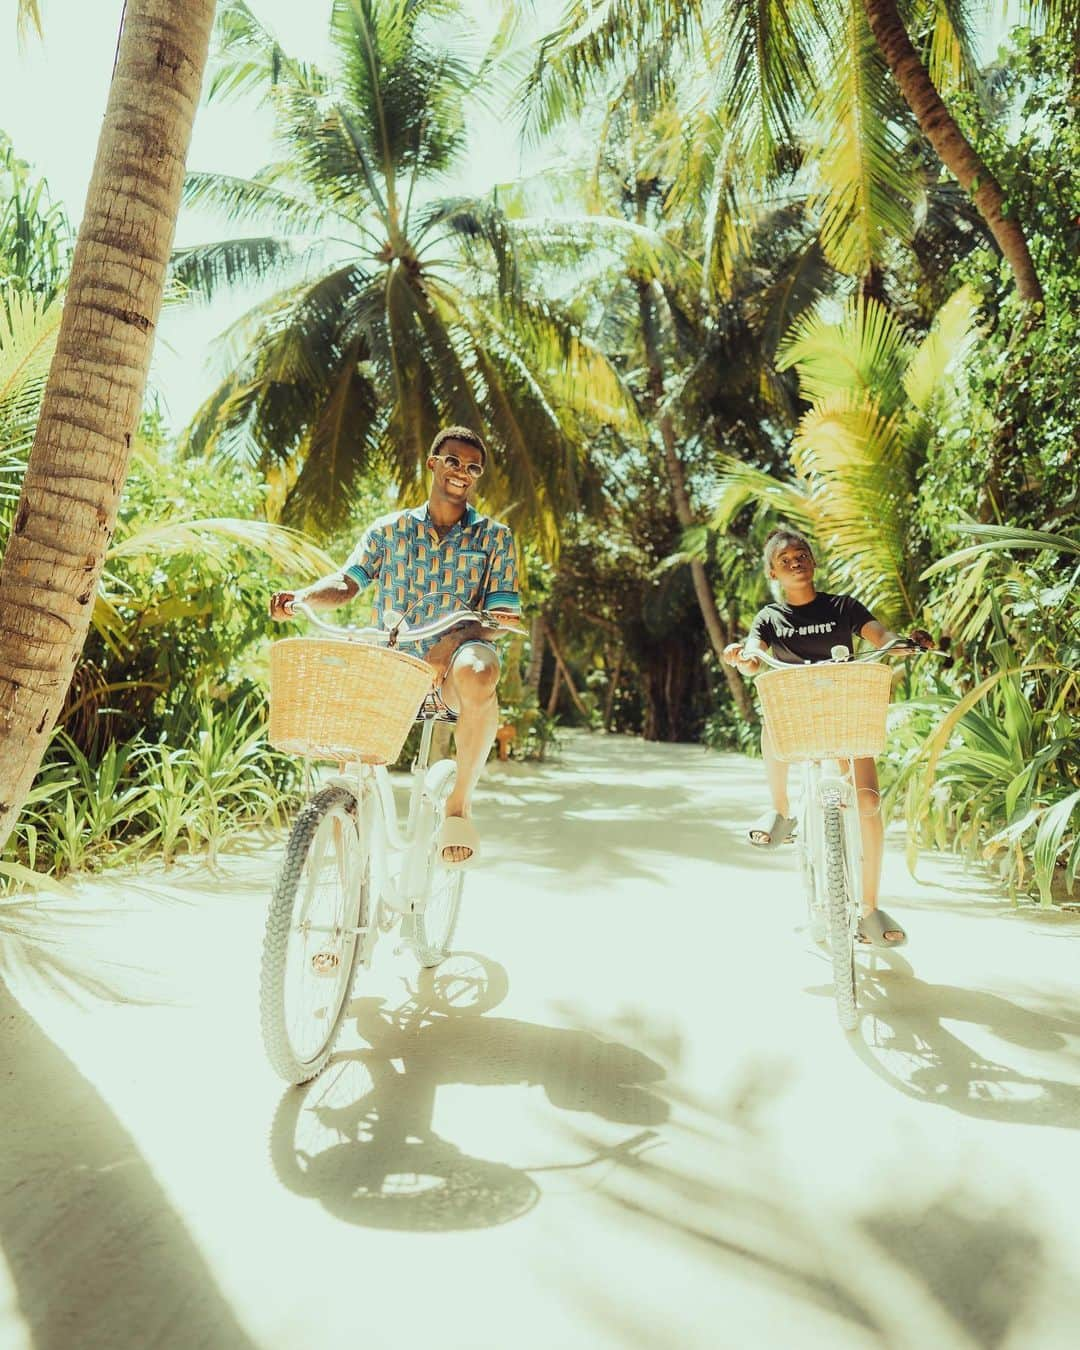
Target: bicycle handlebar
[903, 644]
[400, 632]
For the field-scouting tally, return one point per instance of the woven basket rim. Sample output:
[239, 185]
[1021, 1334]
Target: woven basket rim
[394, 653]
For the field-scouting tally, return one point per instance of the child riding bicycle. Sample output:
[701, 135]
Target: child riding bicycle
[804, 626]
[425, 562]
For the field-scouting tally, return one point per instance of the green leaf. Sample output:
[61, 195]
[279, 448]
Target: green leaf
[1050, 839]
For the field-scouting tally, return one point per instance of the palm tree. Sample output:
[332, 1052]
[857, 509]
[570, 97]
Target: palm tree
[93, 395]
[873, 392]
[401, 311]
[952, 146]
[796, 84]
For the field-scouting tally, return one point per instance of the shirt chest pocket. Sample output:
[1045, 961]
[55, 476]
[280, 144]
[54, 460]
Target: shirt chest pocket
[470, 568]
[461, 573]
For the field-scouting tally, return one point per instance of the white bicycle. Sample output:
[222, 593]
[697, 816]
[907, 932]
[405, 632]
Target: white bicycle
[352, 872]
[823, 716]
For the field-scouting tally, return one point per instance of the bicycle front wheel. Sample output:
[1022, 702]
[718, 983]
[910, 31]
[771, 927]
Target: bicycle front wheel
[839, 895]
[321, 901]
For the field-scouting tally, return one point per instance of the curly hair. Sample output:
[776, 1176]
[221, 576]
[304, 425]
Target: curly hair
[459, 434]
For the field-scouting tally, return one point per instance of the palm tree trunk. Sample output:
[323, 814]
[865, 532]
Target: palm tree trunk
[613, 688]
[683, 513]
[556, 688]
[536, 653]
[93, 397]
[952, 147]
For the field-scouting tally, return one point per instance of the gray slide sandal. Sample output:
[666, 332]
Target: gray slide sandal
[776, 828]
[874, 926]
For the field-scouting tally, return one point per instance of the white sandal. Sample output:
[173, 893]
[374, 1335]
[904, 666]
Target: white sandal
[458, 832]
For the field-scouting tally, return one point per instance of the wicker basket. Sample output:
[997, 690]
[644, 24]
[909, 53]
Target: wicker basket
[826, 711]
[334, 699]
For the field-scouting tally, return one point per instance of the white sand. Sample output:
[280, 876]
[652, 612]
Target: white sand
[647, 1130]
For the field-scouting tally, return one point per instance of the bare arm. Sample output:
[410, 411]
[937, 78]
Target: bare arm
[878, 635]
[327, 593]
[742, 655]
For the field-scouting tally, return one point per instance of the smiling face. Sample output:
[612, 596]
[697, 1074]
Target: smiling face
[450, 470]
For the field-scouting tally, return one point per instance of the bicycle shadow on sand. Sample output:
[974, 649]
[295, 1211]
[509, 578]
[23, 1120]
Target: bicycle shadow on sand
[360, 1140]
[907, 1036]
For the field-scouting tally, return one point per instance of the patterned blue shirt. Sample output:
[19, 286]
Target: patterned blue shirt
[474, 566]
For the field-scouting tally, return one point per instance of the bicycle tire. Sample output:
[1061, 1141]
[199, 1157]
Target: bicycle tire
[841, 928]
[297, 1063]
[436, 923]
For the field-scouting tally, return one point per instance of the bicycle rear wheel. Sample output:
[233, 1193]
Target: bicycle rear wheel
[840, 898]
[320, 902]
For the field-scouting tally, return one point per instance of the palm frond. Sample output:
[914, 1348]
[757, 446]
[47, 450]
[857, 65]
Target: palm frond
[947, 34]
[248, 59]
[867, 349]
[28, 16]
[946, 345]
[764, 77]
[860, 459]
[254, 200]
[29, 327]
[741, 485]
[996, 539]
[203, 271]
[593, 38]
[344, 442]
[868, 184]
[218, 537]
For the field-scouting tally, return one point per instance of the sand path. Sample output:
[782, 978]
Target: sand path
[624, 1116]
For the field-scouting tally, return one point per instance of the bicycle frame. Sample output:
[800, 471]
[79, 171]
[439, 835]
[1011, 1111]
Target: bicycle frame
[400, 852]
[401, 848]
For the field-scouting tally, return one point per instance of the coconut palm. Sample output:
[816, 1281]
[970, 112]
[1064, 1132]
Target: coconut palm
[872, 392]
[808, 79]
[94, 390]
[399, 311]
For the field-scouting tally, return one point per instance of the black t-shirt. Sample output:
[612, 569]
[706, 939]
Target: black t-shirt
[800, 633]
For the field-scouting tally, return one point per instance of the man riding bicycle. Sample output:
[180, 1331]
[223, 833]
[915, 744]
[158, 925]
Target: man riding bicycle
[429, 561]
[805, 625]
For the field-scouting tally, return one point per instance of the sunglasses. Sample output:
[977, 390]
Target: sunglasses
[452, 462]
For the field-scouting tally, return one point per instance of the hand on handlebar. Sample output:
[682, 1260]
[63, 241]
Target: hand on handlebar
[281, 605]
[922, 639]
[735, 655]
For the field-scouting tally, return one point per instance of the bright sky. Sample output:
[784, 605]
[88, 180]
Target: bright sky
[52, 97]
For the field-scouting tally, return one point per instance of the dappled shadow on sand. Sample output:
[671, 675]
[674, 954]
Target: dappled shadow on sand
[771, 1257]
[45, 945]
[360, 1140]
[594, 812]
[909, 1036]
[98, 1258]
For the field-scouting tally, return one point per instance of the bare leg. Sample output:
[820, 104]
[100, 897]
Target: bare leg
[776, 775]
[469, 688]
[872, 829]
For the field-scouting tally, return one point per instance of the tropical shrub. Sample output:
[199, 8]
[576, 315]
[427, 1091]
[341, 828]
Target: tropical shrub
[987, 755]
[211, 780]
